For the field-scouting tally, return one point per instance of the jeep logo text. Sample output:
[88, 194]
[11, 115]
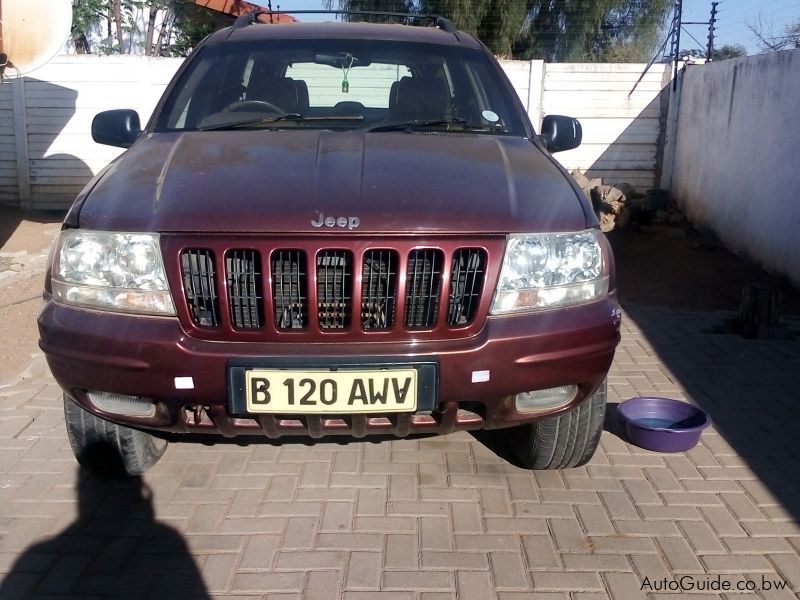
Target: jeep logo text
[349, 222]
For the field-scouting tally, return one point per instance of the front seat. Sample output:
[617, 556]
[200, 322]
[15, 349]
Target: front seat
[419, 99]
[281, 92]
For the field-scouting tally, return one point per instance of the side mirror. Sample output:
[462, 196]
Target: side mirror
[118, 128]
[561, 133]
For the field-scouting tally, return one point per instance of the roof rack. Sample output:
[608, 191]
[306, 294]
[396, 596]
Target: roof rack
[439, 21]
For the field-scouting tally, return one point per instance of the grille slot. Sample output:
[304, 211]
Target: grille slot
[334, 288]
[378, 289]
[423, 284]
[245, 288]
[289, 289]
[197, 268]
[466, 285]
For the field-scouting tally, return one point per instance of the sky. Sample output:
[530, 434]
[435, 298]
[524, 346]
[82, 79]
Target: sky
[733, 17]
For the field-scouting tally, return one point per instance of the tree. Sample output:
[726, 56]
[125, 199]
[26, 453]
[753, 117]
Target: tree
[770, 42]
[157, 27]
[554, 30]
[729, 51]
[85, 14]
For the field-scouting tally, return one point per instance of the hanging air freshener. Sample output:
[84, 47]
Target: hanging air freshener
[348, 59]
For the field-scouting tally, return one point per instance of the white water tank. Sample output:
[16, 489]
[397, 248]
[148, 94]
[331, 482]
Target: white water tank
[32, 32]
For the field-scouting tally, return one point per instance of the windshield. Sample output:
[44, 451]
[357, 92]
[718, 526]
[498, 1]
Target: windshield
[341, 85]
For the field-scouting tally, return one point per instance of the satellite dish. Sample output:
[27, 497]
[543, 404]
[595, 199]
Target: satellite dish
[32, 32]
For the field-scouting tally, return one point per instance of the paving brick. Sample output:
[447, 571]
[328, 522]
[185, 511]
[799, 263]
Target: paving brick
[487, 542]
[701, 537]
[309, 560]
[474, 585]
[403, 487]
[385, 524]
[218, 571]
[549, 510]
[760, 545]
[371, 502]
[679, 555]
[281, 488]
[435, 533]
[454, 560]
[259, 552]
[623, 586]
[788, 567]
[619, 505]
[446, 494]
[568, 536]
[496, 501]
[337, 516]
[322, 585]
[349, 541]
[594, 563]
[417, 580]
[402, 552]
[772, 528]
[594, 520]
[647, 528]
[363, 571]
[300, 533]
[546, 580]
[721, 521]
[376, 595]
[508, 570]
[466, 517]
[736, 564]
[268, 581]
[518, 525]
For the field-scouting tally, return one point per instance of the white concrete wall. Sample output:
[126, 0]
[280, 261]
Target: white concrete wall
[49, 124]
[737, 155]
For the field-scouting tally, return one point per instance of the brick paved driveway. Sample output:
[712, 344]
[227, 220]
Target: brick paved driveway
[434, 518]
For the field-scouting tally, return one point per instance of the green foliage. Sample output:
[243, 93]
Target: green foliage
[553, 30]
[182, 25]
[729, 51]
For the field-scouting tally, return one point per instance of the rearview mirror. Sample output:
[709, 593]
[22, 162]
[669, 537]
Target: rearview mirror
[118, 128]
[561, 133]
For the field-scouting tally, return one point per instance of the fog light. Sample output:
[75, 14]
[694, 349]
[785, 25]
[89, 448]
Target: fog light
[121, 404]
[544, 399]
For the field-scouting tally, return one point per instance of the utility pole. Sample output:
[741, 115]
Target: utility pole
[710, 51]
[676, 43]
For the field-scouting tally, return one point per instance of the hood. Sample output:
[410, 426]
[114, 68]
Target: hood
[305, 181]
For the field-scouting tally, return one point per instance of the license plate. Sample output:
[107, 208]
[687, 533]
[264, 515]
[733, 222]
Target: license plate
[289, 391]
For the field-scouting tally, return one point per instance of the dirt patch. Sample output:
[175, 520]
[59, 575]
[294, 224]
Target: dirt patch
[680, 267]
[25, 240]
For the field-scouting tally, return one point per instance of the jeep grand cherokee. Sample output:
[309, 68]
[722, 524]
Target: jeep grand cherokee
[332, 229]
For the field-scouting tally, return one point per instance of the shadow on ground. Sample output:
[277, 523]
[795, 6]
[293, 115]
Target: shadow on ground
[114, 549]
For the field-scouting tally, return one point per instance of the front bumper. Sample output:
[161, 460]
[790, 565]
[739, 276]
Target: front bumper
[143, 356]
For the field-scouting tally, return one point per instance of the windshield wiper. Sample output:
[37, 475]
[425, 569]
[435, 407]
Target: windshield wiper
[252, 121]
[421, 123]
[285, 117]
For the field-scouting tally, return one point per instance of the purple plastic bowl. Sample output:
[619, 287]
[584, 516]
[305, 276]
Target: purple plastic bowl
[663, 424]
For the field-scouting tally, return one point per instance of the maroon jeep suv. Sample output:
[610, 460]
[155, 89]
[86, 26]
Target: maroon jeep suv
[332, 229]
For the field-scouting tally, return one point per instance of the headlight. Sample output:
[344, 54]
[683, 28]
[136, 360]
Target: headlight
[549, 270]
[113, 271]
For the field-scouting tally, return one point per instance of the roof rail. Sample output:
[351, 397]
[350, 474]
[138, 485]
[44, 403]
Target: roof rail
[439, 21]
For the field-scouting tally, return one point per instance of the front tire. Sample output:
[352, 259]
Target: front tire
[105, 448]
[564, 441]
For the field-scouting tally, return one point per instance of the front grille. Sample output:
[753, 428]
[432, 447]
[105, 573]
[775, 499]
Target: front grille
[317, 291]
[245, 288]
[378, 289]
[334, 284]
[289, 289]
[423, 284]
[197, 267]
[466, 285]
